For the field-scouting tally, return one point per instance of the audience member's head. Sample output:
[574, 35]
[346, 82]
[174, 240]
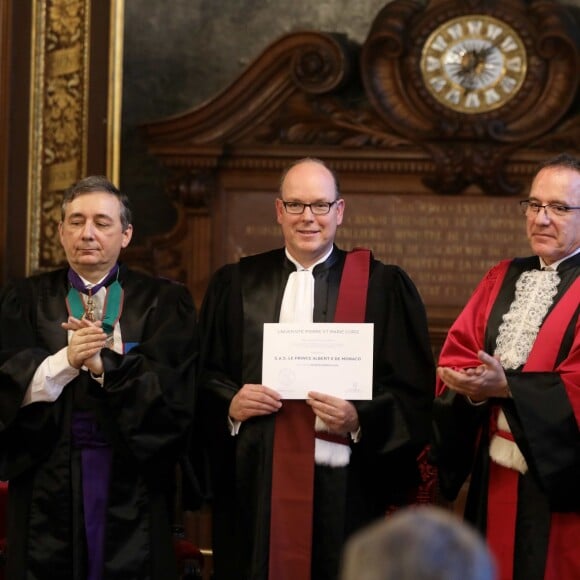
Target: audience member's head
[418, 543]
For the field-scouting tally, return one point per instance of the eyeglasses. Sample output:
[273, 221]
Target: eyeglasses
[317, 208]
[530, 208]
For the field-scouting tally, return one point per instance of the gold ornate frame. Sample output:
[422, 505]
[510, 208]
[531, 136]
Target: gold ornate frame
[59, 112]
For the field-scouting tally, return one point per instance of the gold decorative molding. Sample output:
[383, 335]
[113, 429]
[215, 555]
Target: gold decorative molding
[58, 119]
[59, 113]
[114, 108]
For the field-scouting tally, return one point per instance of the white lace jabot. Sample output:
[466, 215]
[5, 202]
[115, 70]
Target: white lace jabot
[535, 291]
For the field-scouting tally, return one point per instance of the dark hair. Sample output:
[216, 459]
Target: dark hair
[311, 160]
[562, 160]
[418, 543]
[98, 183]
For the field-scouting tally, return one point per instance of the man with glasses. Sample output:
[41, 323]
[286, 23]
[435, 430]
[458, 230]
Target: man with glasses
[364, 455]
[508, 404]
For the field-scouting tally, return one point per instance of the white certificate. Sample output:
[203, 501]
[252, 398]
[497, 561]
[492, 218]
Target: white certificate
[331, 358]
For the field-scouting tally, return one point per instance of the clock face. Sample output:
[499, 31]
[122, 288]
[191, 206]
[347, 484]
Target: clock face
[473, 64]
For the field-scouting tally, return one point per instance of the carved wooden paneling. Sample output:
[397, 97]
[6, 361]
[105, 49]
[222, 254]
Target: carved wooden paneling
[472, 148]
[364, 109]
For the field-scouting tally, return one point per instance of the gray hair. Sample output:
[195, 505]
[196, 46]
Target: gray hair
[565, 160]
[98, 183]
[418, 543]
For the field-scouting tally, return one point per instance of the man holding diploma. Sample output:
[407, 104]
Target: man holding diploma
[291, 479]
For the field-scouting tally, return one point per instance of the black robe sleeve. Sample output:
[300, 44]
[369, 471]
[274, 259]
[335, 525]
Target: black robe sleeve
[146, 403]
[27, 434]
[395, 423]
[220, 325]
[149, 392]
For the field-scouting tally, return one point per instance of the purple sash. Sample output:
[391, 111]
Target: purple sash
[96, 470]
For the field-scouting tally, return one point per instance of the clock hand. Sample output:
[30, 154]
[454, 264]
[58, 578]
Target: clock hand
[470, 62]
[472, 68]
[485, 52]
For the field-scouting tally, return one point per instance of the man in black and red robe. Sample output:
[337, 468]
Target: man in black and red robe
[508, 404]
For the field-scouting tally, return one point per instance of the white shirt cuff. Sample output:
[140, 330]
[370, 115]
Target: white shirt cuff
[50, 378]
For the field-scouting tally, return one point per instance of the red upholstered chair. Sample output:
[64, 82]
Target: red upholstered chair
[189, 557]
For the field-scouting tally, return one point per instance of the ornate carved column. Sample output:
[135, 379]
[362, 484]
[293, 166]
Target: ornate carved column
[73, 111]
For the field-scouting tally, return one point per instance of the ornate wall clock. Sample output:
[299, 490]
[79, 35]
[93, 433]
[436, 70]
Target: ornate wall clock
[471, 81]
[474, 63]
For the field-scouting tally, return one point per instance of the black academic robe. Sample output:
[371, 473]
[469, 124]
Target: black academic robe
[144, 410]
[543, 415]
[394, 425]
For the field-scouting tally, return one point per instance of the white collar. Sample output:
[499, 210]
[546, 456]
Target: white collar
[555, 264]
[88, 284]
[299, 266]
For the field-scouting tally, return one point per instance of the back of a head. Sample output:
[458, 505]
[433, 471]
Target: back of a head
[418, 543]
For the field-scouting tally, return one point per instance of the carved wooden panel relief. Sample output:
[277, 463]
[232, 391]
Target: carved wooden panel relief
[472, 81]
[434, 126]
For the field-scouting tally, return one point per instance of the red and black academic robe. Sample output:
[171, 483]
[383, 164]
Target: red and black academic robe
[144, 411]
[543, 416]
[395, 424]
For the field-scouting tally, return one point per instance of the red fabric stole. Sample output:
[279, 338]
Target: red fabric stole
[293, 455]
[503, 482]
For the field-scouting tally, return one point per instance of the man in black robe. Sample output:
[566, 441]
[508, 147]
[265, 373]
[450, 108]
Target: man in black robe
[376, 465]
[96, 403]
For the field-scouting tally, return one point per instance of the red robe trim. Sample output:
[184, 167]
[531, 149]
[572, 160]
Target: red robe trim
[468, 339]
[563, 557]
[293, 458]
